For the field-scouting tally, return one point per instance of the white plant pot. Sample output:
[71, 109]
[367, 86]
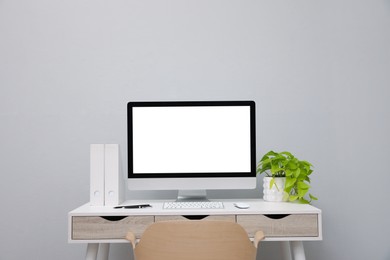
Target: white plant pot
[276, 192]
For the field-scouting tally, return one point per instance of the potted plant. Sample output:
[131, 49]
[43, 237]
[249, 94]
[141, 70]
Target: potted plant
[293, 172]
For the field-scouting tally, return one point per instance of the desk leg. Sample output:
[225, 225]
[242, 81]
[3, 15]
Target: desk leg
[286, 252]
[104, 250]
[297, 250]
[92, 250]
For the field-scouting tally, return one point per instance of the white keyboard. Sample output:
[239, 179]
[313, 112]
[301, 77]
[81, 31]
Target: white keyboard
[193, 205]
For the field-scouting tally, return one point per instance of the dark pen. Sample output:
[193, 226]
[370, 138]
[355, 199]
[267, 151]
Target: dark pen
[140, 206]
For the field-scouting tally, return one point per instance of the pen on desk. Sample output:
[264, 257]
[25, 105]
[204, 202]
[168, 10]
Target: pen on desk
[140, 206]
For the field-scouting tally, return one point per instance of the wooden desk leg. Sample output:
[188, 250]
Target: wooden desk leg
[92, 250]
[297, 250]
[286, 252]
[104, 250]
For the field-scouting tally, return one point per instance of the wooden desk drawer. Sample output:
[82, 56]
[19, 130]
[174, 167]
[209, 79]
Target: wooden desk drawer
[84, 228]
[296, 225]
[231, 218]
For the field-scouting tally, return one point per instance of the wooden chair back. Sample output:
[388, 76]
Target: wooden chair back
[194, 240]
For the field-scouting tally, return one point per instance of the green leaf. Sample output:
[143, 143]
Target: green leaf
[312, 197]
[288, 154]
[271, 153]
[285, 196]
[265, 157]
[303, 201]
[271, 183]
[301, 177]
[288, 172]
[306, 164]
[292, 198]
[292, 165]
[297, 172]
[274, 168]
[289, 182]
[303, 186]
[288, 189]
[265, 161]
[278, 169]
[302, 193]
[303, 170]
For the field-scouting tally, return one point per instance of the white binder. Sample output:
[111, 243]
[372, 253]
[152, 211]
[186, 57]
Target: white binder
[114, 181]
[97, 175]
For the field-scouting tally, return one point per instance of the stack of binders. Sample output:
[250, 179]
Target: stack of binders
[106, 182]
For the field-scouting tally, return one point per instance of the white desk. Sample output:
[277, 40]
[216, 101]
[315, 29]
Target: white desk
[289, 223]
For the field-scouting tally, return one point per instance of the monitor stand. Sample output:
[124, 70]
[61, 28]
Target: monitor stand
[192, 195]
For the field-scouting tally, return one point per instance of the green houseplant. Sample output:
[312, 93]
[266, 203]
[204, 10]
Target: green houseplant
[296, 172]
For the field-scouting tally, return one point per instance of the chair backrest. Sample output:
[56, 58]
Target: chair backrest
[195, 240]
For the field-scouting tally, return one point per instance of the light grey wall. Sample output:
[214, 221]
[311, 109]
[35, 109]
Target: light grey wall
[318, 70]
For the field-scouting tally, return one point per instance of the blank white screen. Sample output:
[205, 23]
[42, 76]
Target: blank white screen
[191, 139]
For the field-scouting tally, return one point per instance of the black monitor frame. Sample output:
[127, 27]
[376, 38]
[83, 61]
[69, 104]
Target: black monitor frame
[251, 105]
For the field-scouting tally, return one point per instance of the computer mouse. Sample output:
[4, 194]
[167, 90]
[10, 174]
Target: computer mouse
[241, 205]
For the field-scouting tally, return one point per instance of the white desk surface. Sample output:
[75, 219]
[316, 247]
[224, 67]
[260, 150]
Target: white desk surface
[257, 206]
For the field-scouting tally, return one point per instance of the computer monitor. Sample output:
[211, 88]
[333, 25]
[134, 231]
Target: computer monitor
[191, 146]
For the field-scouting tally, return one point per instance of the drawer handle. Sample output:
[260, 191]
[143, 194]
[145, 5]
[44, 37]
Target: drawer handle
[276, 216]
[113, 218]
[195, 217]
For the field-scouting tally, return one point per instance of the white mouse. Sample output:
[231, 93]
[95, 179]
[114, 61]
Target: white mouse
[241, 205]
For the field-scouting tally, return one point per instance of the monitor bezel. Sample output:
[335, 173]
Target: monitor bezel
[250, 104]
